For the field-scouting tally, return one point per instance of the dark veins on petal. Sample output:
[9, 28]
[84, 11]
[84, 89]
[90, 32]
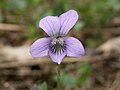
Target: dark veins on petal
[57, 45]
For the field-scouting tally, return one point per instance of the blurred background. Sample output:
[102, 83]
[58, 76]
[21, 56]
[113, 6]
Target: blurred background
[98, 28]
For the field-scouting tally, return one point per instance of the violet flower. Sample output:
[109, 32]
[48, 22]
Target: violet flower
[58, 45]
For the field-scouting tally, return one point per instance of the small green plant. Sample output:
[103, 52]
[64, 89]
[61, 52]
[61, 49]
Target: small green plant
[85, 71]
[43, 86]
[73, 82]
[32, 34]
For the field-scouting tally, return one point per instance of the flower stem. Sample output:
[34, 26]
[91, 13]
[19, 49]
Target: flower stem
[58, 83]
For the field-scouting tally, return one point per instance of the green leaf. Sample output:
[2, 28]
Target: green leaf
[32, 34]
[43, 86]
[68, 80]
[1, 17]
[58, 8]
[84, 70]
[36, 1]
[114, 4]
[79, 25]
[17, 4]
[91, 42]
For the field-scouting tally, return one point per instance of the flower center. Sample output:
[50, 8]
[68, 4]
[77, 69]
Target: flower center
[57, 45]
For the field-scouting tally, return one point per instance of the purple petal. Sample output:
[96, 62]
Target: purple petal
[50, 24]
[74, 47]
[57, 58]
[40, 47]
[67, 21]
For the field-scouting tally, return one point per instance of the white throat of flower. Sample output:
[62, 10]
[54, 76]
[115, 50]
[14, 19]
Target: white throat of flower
[57, 45]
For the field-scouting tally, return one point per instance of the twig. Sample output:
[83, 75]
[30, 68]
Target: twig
[12, 27]
[38, 61]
